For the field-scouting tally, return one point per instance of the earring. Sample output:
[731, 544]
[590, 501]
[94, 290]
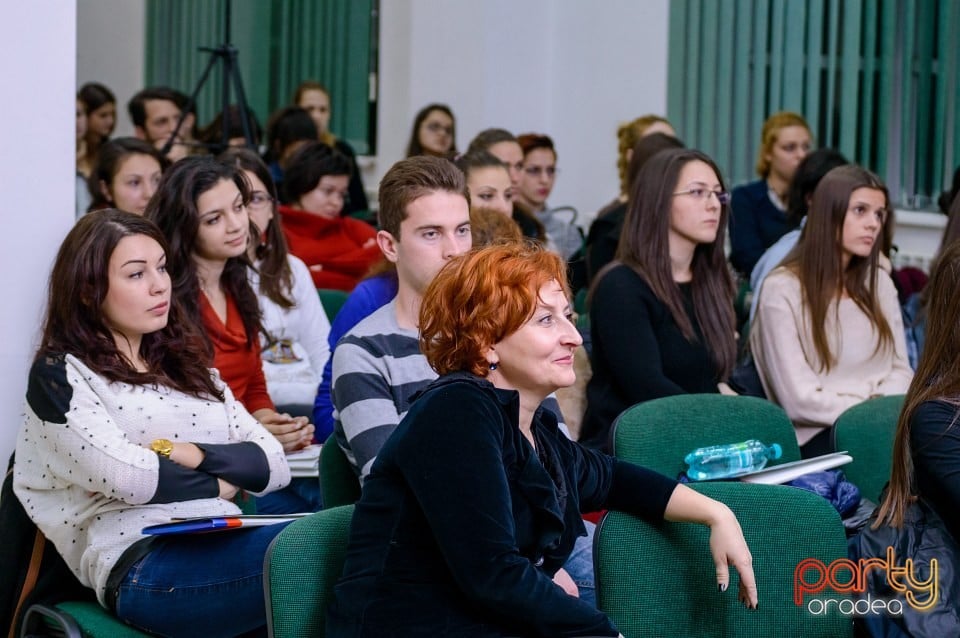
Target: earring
[493, 367]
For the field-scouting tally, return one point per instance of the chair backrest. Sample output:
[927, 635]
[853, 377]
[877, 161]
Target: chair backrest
[867, 431]
[332, 300]
[660, 580]
[658, 434]
[301, 568]
[339, 484]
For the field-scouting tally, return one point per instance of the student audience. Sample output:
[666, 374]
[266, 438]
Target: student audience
[293, 338]
[759, 208]
[604, 235]
[434, 132]
[155, 112]
[288, 130]
[338, 249]
[125, 426]
[212, 138]
[808, 174]
[828, 332]
[671, 280]
[100, 110]
[126, 175]
[487, 181]
[201, 208]
[314, 98]
[536, 184]
[445, 539]
[504, 146]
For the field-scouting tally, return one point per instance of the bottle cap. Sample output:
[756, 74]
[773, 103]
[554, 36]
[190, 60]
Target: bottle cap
[777, 450]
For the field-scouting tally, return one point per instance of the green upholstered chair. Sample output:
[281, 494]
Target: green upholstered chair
[332, 300]
[867, 432]
[660, 580]
[658, 434]
[301, 568]
[75, 620]
[339, 484]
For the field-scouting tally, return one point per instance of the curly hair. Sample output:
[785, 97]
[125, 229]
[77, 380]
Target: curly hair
[480, 298]
[628, 135]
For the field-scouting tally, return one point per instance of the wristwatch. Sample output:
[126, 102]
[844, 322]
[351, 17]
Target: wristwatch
[163, 447]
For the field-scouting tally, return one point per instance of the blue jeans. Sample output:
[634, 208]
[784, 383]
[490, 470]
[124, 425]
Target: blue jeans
[302, 495]
[199, 585]
[580, 565]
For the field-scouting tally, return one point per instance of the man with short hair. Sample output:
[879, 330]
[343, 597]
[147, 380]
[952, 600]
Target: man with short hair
[155, 112]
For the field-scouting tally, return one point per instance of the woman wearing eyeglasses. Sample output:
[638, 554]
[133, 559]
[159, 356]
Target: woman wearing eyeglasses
[828, 333]
[337, 249]
[760, 208]
[536, 183]
[661, 314]
[293, 341]
[434, 132]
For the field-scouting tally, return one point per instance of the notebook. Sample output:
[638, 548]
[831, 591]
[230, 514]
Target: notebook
[201, 525]
[785, 472]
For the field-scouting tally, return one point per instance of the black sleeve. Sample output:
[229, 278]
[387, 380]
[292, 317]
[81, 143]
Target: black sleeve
[243, 464]
[177, 483]
[630, 349]
[935, 439]
[746, 243]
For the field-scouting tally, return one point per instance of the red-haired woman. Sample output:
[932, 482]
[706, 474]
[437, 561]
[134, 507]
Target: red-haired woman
[828, 333]
[126, 427]
[475, 500]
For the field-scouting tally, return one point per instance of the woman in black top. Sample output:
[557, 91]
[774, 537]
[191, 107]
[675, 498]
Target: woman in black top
[475, 501]
[661, 315]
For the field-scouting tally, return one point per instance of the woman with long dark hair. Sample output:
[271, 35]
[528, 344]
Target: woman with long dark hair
[434, 132]
[295, 327]
[125, 175]
[661, 314]
[126, 427]
[828, 332]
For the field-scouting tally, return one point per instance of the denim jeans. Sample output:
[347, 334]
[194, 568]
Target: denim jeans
[199, 585]
[580, 565]
[302, 495]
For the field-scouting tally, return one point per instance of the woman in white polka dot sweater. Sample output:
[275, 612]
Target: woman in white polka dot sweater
[125, 426]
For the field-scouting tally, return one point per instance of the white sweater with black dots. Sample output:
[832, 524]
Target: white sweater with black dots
[83, 469]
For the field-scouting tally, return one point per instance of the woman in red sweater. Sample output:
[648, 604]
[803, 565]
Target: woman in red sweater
[200, 206]
[338, 250]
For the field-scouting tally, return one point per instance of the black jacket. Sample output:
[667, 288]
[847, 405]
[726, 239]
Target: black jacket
[462, 524]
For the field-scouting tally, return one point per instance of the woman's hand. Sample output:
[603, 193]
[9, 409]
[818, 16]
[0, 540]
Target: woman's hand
[727, 544]
[563, 580]
[227, 490]
[730, 548]
[294, 433]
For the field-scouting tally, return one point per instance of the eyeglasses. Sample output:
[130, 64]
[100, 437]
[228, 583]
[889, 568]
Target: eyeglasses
[437, 127]
[535, 171]
[704, 193]
[259, 200]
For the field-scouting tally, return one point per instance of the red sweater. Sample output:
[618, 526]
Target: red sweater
[239, 365]
[342, 246]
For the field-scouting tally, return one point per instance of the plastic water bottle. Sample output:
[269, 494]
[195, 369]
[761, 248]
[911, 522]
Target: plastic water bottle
[722, 461]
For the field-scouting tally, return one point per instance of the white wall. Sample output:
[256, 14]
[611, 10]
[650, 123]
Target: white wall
[110, 50]
[585, 68]
[37, 181]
